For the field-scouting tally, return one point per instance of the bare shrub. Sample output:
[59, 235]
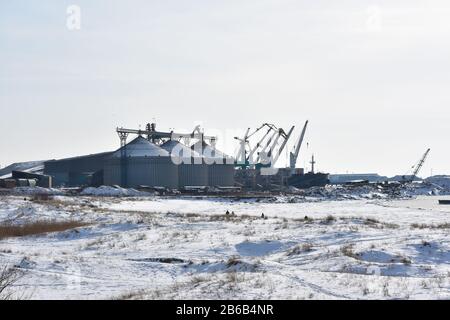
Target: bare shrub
[329, 219]
[8, 277]
[8, 230]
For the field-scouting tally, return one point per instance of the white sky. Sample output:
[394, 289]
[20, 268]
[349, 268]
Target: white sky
[371, 76]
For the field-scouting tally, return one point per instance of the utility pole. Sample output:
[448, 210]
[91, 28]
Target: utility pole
[312, 164]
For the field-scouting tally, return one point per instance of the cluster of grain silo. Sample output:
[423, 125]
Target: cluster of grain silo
[141, 163]
[162, 162]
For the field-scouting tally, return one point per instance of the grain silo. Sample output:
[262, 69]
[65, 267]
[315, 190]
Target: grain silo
[220, 166]
[141, 163]
[192, 171]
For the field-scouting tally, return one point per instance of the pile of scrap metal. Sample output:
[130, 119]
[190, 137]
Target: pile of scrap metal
[210, 190]
[26, 179]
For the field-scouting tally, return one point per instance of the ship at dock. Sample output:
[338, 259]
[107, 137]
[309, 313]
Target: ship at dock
[310, 179]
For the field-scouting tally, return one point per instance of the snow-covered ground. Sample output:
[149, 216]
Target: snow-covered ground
[188, 248]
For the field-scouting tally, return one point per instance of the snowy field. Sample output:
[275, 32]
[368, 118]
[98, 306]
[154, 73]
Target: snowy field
[188, 248]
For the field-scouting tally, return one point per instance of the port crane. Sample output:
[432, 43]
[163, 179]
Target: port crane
[293, 156]
[260, 142]
[265, 148]
[243, 143]
[246, 158]
[417, 167]
[286, 139]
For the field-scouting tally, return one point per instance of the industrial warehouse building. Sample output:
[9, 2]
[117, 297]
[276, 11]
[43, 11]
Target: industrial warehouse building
[77, 171]
[144, 163]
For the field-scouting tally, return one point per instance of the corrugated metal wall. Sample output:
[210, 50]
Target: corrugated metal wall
[71, 171]
[193, 175]
[220, 172]
[192, 171]
[148, 171]
[221, 175]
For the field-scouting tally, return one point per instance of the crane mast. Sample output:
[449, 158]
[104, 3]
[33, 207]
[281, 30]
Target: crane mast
[419, 166]
[242, 155]
[266, 150]
[250, 158]
[245, 158]
[294, 155]
[280, 150]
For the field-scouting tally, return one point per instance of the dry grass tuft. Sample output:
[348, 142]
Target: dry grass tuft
[131, 295]
[232, 277]
[232, 261]
[192, 215]
[405, 260]
[298, 249]
[42, 197]
[197, 280]
[370, 221]
[233, 218]
[445, 225]
[8, 230]
[374, 223]
[348, 251]
[306, 219]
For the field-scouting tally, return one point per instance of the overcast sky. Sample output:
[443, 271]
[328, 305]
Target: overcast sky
[371, 76]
